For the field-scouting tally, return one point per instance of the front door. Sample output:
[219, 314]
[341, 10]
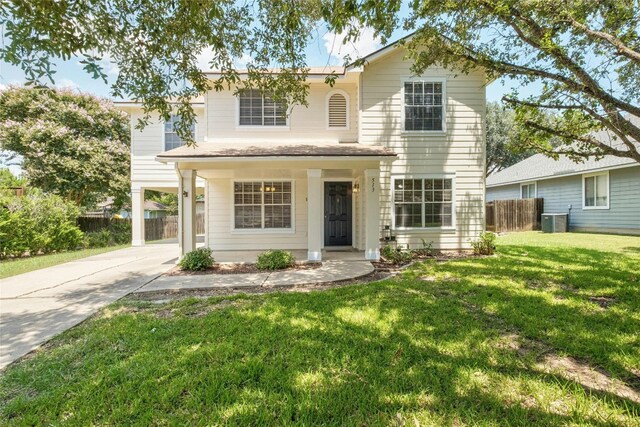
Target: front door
[337, 214]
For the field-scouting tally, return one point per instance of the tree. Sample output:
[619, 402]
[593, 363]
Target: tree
[8, 180]
[72, 144]
[155, 44]
[170, 200]
[502, 139]
[584, 55]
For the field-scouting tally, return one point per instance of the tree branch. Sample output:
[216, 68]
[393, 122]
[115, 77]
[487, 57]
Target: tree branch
[587, 139]
[622, 48]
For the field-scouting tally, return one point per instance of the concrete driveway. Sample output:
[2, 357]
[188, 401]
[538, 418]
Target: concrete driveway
[36, 306]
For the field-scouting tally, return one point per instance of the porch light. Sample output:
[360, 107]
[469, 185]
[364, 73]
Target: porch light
[356, 188]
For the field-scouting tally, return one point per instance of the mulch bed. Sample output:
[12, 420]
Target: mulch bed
[384, 265]
[232, 268]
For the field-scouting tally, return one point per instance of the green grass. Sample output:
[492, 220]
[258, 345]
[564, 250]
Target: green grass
[428, 348]
[12, 267]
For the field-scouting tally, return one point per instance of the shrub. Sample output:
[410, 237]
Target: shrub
[37, 223]
[275, 260]
[98, 239]
[395, 256]
[197, 260]
[485, 244]
[425, 250]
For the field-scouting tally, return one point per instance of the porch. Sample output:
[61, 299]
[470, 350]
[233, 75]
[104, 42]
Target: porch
[302, 198]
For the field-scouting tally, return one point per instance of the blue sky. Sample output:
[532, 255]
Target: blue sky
[325, 48]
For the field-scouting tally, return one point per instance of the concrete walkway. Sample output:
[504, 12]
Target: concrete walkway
[330, 271]
[37, 305]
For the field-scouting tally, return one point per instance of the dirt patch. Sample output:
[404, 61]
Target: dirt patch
[441, 256]
[568, 368]
[239, 268]
[587, 376]
[604, 302]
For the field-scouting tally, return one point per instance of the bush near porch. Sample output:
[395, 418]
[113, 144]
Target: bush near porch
[453, 343]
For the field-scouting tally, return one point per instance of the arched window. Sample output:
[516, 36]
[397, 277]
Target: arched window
[337, 110]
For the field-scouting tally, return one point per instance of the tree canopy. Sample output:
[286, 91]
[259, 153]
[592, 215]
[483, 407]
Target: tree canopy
[582, 57]
[73, 145]
[503, 149]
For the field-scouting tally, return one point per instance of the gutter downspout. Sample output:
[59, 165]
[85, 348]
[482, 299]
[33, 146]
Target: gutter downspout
[180, 213]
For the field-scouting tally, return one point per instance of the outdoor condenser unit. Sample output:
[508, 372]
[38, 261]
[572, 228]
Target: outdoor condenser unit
[555, 222]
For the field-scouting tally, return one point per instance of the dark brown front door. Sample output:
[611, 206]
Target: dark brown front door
[337, 214]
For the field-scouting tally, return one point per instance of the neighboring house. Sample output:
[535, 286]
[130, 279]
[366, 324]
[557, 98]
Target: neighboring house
[152, 209]
[599, 196]
[380, 153]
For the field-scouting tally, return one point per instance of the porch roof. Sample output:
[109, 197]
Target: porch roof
[273, 150]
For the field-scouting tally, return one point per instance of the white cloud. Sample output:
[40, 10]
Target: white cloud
[3, 87]
[206, 55]
[67, 84]
[109, 66]
[364, 45]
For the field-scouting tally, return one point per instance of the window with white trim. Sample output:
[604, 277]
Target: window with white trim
[258, 110]
[423, 202]
[528, 191]
[337, 111]
[262, 205]
[596, 191]
[423, 106]
[171, 138]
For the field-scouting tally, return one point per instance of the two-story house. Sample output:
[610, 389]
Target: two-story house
[383, 153]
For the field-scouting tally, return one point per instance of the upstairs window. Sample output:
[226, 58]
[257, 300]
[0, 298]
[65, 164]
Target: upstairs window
[259, 110]
[596, 191]
[423, 106]
[337, 110]
[171, 138]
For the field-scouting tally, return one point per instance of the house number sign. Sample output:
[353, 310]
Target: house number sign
[373, 185]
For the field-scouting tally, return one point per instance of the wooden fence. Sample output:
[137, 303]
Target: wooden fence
[154, 228]
[514, 215]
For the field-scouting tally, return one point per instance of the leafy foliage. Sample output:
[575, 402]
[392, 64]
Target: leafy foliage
[396, 256]
[73, 145]
[170, 200]
[485, 244]
[197, 260]
[7, 179]
[502, 139]
[117, 233]
[155, 45]
[275, 260]
[582, 57]
[37, 223]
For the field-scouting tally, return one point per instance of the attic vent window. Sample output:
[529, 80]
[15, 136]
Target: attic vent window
[337, 106]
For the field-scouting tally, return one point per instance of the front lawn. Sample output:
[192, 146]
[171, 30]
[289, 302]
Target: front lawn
[456, 343]
[12, 267]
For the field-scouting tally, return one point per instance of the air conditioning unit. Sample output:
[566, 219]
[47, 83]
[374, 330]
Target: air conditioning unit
[555, 222]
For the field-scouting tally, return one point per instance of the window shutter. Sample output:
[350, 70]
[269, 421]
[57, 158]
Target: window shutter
[337, 111]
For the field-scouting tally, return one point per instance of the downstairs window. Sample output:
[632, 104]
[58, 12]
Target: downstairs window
[423, 202]
[262, 205]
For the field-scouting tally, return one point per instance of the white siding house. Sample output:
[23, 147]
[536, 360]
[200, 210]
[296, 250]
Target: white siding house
[381, 153]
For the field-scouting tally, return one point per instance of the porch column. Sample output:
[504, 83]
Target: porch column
[187, 211]
[137, 216]
[314, 214]
[371, 191]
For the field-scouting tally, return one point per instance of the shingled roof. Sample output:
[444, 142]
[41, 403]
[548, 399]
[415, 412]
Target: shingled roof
[254, 150]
